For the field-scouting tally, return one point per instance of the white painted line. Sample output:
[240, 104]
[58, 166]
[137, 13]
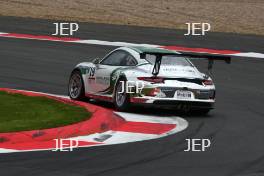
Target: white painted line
[249, 54]
[108, 43]
[118, 137]
[126, 137]
[2, 150]
[118, 44]
[112, 137]
[132, 117]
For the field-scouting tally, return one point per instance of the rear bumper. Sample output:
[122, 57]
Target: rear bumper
[171, 102]
[200, 105]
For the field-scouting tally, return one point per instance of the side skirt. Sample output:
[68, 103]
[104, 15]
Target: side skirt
[108, 98]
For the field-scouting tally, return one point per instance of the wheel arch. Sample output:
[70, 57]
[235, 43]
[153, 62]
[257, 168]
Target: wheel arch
[82, 88]
[121, 76]
[78, 68]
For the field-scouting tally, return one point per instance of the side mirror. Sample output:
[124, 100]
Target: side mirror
[96, 60]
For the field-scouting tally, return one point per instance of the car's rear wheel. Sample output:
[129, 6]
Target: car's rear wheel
[121, 98]
[76, 86]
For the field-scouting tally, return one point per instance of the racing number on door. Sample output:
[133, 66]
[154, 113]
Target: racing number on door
[90, 72]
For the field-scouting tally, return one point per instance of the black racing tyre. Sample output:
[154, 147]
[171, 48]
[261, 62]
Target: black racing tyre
[204, 111]
[200, 111]
[76, 86]
[121, 99]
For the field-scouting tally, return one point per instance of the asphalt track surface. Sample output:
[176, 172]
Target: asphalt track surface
[235, 127]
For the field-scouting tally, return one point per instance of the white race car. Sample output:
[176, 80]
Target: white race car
[145, 76]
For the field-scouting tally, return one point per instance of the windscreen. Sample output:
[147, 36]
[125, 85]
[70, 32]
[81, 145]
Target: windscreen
[169, 60]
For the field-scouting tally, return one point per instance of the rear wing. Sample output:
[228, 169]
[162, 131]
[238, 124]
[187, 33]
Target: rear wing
[210, 57]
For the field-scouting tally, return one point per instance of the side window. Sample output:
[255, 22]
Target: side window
[129, 61]
[119, 58]
[115, 58]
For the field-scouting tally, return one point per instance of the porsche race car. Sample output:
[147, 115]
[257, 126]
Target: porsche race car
[145, 76]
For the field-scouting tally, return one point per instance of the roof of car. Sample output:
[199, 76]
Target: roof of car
[152, 50]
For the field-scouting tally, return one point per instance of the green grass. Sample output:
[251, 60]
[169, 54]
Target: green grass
[19, 113]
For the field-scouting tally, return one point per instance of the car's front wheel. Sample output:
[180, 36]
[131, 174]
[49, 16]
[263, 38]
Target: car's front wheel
[121, 98]
[76, 86]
